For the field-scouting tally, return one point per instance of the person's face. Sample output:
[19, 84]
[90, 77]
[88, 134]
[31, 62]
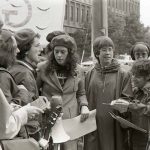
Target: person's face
[140, 52]
[16, 50]
[139, 81]
[35, 51]
[106, 55]
[61, 53]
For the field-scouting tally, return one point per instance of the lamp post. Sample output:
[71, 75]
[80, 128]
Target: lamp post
[100, 18]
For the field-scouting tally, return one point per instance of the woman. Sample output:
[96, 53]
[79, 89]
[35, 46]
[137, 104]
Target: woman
[24, 70]
[104, 83]
[139, 107]
[59, 77]
[10, 117]
[8, 52]
[140, 51]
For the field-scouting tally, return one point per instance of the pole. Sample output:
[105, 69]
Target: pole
[100, 18]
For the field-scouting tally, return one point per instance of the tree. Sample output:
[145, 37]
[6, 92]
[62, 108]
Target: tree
[115, 30]
[83, 40]
[134, 32]
[126, 31]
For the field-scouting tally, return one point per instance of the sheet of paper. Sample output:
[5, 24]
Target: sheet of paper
[127, 123]
[75, 129]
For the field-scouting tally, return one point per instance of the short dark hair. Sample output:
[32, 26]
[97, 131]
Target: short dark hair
[26, 47]
[133, 47]
[100, 42]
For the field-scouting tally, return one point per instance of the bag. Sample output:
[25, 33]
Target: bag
[20, 144]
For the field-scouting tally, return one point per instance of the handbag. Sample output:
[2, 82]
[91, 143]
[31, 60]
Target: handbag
[20, 144]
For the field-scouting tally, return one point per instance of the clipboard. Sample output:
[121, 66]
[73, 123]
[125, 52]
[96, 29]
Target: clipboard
[127, 123]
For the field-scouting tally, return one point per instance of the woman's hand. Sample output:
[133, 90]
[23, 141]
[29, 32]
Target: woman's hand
[32, 111]
[120, 104]
[14, 106]
[136, 105]
[84, 113]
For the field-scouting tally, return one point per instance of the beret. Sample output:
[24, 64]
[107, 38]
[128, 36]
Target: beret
[66, 41]
[5, 35]
[51, 35]
[24, 36]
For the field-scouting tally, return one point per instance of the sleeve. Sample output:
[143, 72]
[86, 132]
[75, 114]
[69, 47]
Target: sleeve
[90, 99]
[16, 120]
[124, 85]
[39, 79]
[27, 79]
[81, 96]
[19, 96]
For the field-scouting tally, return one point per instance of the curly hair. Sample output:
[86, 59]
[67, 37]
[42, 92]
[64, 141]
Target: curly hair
[70, 66]
[141, 68]
[7, 53]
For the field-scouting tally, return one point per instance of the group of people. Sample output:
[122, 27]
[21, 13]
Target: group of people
[24, 79]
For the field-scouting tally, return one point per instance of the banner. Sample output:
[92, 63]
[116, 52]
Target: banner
[43, 16]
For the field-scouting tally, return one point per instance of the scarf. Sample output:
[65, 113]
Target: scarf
[113, 67]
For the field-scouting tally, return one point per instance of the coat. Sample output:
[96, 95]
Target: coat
[140, 117]
[72, 93]
[103, 86]
[10, 89]
[24, 74]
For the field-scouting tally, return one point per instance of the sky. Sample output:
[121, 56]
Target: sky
[145, 12]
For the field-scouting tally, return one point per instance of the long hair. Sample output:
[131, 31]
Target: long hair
[7, 53]
[70, 66]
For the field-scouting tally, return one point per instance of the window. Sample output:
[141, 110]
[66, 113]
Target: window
[87, 16]
[66, 12]
[72, 13]
[77, 14]
[82, 14]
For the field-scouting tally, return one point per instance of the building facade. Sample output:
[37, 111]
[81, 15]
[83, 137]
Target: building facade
[124, 7]
[79, 12]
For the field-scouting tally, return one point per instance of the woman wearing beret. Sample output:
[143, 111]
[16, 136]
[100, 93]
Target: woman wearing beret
[104, 83]
[48, 48]
[59, 77]
[24, 70]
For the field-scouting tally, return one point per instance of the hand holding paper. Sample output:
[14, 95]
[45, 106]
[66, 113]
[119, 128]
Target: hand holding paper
[120, 104]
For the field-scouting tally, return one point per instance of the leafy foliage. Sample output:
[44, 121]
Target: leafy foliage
[83, 40]
[126, 31]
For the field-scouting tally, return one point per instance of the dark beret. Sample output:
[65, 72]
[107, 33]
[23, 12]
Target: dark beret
[66, 41]
[51, 35]
[24, 36]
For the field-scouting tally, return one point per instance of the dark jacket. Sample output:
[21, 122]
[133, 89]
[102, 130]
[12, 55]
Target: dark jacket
[10, 89]
[102, 86]
[25, 74]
